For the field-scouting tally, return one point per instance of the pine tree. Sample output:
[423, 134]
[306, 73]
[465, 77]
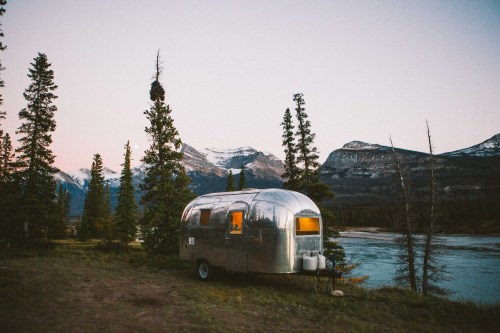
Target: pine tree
[292, 172]
[10, 225]
[2, 47]
[126, 211]
[106, 221]
[6, 159]
[241, 182]
[34, 158]
[2, 83]
[165, 183]
[307, 154]
[7, 190]
[2, 11]
[230, 181]
[306, 179]
[92, 219]
[58, 228]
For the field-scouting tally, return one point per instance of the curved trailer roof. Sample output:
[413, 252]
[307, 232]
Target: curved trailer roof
[296, 202]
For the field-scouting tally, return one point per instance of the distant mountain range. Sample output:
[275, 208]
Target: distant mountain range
[362, 174]
[359, 173]
[208, 170]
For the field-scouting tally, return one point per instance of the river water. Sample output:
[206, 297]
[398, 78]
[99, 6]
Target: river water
[472, 263]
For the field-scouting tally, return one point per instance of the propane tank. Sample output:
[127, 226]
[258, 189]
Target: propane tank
[310, 263]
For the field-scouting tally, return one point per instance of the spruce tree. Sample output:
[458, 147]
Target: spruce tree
[34, 158]
[307, 153]
[126, 210]
[2, 11]
[10, 225]
[292, 172]
[230, 181]
[58, 227]
[306, 179]
[241, 182]
[106, 221]
[6, 159]
[2, 83]
[92, 219]
[165, 184]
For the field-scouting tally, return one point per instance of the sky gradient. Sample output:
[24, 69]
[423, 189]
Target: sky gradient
[367, 69]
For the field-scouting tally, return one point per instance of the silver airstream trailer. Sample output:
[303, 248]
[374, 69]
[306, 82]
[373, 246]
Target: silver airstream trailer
[265, 231]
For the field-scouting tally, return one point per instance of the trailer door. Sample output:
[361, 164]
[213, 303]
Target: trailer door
[236, 237]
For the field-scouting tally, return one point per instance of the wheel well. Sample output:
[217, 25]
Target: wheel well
[199, 260]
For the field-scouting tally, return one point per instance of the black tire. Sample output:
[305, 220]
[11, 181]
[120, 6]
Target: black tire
[203, 270]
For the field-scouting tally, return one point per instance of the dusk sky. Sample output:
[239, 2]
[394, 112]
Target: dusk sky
[367, 69]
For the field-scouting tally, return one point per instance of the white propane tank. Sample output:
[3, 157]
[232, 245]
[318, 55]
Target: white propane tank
[321, 261]
[310, 263]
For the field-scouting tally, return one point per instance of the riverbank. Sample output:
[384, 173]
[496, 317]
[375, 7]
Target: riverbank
[486, 228]
[72, 287]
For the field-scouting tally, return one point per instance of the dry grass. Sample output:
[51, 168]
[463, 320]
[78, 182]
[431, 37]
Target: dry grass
[73, 288]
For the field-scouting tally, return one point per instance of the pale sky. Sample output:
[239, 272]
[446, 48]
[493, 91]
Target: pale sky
[366, 69]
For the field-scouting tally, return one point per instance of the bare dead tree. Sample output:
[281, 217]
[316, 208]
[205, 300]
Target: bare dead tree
[406, 269]
[433, 269]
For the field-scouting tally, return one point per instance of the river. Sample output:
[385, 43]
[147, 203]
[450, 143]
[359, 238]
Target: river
[472, 263]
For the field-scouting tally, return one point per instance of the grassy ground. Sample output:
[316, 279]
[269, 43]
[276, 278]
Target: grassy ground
[71, 287]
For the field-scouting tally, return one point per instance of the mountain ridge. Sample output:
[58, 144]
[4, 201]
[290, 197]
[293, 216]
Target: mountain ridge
[359, 172]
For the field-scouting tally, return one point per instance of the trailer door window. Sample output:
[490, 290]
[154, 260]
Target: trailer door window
[205, 216]
[236, 222]
[307, 226]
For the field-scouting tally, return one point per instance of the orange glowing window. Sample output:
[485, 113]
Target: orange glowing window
[204, 216]
[307, 226]
[236, 222]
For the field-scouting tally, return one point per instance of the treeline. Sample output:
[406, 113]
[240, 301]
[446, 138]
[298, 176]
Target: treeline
[33, 207]
[475, 216]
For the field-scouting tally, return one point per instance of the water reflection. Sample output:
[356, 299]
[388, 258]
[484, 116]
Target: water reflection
[472, 261]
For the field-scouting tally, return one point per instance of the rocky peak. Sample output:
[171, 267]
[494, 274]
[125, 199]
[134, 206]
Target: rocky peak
[360, 145]
[490, 147]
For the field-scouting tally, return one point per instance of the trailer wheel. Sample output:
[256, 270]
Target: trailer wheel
[203, 270]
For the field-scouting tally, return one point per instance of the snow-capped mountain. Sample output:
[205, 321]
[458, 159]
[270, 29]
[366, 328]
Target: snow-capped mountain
[490, 147]
[208, 170]
[260, 163]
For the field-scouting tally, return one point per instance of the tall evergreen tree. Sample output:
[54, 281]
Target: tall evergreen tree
[230, 181]
[6, 159]
[2, 11]
[306, 179]
[307, 153]
[92, 219]
[241, 181]
[126, 211]
[2, 47]
[10, 225]
[165, 183]
[291, 175]
[34, 158]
